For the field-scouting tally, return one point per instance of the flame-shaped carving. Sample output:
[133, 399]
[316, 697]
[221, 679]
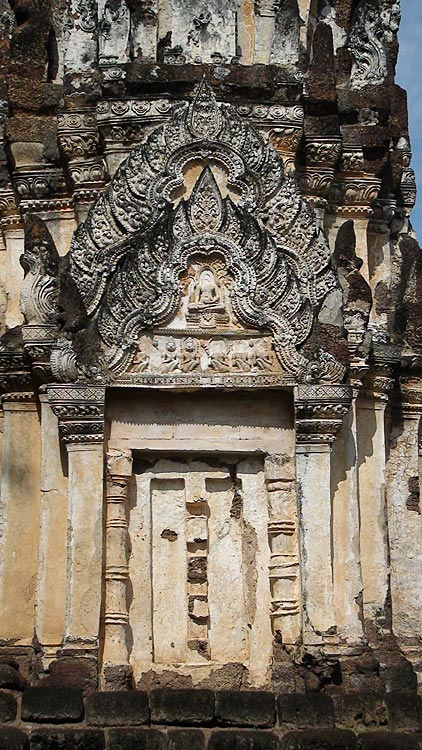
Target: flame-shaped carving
[206, 206]
[204, 119]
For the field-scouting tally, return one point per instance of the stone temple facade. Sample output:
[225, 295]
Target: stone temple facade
[211, 374]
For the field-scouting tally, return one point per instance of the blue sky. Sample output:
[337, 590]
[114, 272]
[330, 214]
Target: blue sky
[409, 76]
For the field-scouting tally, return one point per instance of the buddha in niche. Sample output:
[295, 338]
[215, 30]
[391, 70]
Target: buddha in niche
[207, 293]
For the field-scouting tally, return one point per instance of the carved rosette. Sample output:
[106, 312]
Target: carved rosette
[80, 409]
[320, 410]
[283, 126]
[40, 187]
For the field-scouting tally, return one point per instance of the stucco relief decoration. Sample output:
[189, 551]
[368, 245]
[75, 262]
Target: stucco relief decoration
[221, 273]
[375, 25]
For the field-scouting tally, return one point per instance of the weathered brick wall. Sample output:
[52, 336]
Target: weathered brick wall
[54, 718]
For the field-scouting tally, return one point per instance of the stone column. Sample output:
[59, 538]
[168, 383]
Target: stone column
[80, 409]
[404, 514]
[52, 576]
[371, 462]
[319, 413]
[20, 492]
[283, 537]
[119, 472]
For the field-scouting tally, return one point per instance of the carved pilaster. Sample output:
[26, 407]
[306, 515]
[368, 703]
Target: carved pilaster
[15, 377]
[119, 472]
[38, 341]
[80, 409]
[354, 191]
[316, 176]
[80, 142]
[283, 536]
[319, 412]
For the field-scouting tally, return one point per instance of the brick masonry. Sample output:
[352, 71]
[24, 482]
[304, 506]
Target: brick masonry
[195, 719]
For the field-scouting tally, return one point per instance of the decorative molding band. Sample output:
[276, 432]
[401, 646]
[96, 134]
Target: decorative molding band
[80, 409]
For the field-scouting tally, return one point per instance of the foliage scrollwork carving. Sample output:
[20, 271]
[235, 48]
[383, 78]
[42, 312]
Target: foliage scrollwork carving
[127, 258]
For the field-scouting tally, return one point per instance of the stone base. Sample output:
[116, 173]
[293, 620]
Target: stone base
[47, 718]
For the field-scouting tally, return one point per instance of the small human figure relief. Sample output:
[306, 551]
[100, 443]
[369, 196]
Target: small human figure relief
[141, 360]
[189, 360]
[261, 356]
[219, 356]
[202, 355]
[241, 361]
[169, 357]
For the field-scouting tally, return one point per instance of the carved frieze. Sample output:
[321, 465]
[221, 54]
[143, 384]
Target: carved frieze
[40, 187]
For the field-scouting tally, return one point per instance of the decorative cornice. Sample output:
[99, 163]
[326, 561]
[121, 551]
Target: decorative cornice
[320, 410]
[410, 397]
[80, 409]
[15, 375]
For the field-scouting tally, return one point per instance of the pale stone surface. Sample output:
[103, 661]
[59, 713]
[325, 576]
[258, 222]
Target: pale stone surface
[230, 526]
[193, 510]
[405, 528]
[313, 472]
[14, 239]
[245, 423]
[20, 491]
[217, 585]
[52, 570]
[373, 512]
[347, 577]
[85, 545]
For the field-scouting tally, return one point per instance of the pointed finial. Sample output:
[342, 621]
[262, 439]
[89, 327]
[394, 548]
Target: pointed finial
[204, 117]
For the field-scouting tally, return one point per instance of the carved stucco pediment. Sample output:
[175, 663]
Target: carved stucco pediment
[204, 193]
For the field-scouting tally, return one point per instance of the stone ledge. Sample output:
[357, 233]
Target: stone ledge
[182, 707]
[304, 710]
[52, 705]
[117, 708]
[245, 708]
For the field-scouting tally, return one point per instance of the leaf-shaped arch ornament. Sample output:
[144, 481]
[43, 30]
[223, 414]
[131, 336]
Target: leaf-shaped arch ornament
[128, 257]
